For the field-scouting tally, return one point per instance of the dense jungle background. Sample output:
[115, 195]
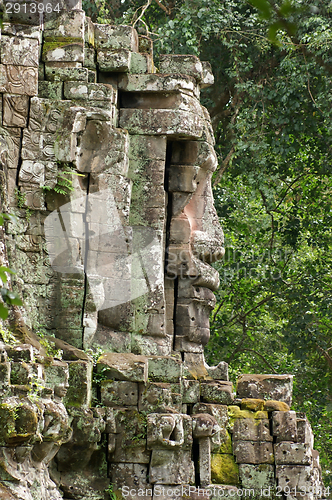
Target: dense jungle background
[272, 116]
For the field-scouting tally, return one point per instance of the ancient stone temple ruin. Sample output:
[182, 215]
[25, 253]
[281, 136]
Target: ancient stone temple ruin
[106, 162]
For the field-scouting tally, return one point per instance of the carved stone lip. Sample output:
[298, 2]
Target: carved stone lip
[207, 276]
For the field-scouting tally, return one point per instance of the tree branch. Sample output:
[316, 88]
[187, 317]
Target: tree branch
[261, 356]
[224, 166]
[168, 12]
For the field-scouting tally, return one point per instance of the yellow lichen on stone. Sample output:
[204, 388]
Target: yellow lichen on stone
[252, 404]
[224, 470]
[276, 406]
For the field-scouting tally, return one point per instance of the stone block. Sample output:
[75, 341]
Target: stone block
[67, 24]
[248, 429]
[62, 51]
[292, 454]
[115, 37]
[18, 80]
[151, 346]
[302, 479]
[304, 431]
[65, 73]
[224, 470]
[56, 374]
[22, 30]
[155, 397]
[80, 380]
[208, 78]
[50, 90]
[235, 413]
[22, 352]
[23, 373]
[141, 63]
[10, 147]
[257, 477]
[275, 406]
[182, 178]
[284, 425]
[103, 148]
[15, 110]
[90, 91]
[190, 391]
[164, 369]
[219, 392]
[219, 412]
[156, 82]
[89, 31]
[130, 438]
[18, 422]
[119, 393]
[90, 58]
[275, 387]
[127, 366]
[32, 173]
[161, 122]
[181, 65]
[171, 467]
[218, 372]
[19, 51]
[224, 491]
[253, 452]
[4, 377]
[114, 61]
[169, 431]
[130, 477]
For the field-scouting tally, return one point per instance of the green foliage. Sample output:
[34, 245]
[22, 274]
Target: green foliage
[110, 491]
[9, 298]
[64, 184]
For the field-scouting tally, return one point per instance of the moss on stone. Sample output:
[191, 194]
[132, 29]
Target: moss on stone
[224, 470]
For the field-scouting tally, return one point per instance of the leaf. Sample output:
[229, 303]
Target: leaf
[264, 7]
[3, 312]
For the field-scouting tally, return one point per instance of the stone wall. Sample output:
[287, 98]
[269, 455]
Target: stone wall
[107, 163]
